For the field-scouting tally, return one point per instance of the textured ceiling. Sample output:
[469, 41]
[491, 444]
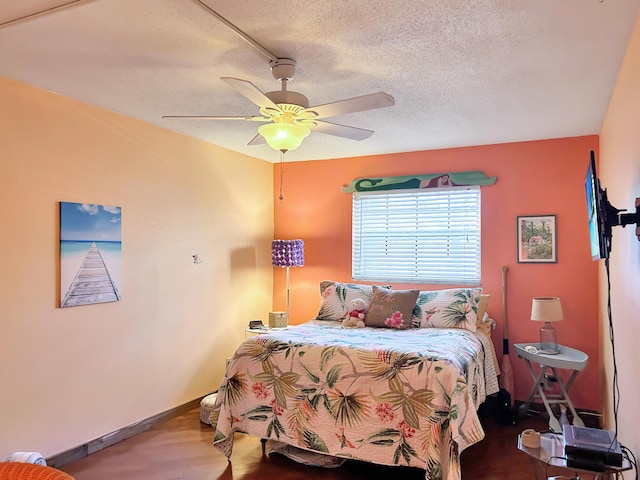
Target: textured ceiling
[461, 72]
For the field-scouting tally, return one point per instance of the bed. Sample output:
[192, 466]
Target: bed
[391, 396]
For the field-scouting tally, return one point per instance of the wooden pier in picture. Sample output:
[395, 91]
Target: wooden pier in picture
[92, 283]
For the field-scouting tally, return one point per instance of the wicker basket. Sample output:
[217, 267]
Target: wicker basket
[277, 319]
[30, 471]
[207, 405]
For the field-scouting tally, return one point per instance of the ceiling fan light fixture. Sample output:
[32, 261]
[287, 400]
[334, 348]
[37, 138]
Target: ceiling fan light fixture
[283, 136]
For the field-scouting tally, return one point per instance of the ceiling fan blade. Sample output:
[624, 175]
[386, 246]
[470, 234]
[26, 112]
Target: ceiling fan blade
[257, 140]
[217, 117]
[352, 105]
[252, 92]
[344, 131]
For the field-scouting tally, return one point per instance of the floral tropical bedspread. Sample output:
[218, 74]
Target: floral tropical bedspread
[393, 397]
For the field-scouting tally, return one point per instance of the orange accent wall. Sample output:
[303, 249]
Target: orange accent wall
[534, 178]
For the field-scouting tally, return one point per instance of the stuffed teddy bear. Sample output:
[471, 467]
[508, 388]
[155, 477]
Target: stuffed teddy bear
[355, 316]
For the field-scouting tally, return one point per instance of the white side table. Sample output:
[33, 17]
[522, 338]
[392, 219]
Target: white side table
[250, 332]
[567, 359]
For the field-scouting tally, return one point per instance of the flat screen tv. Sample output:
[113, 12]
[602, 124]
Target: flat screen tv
[603, 216]
[597, 209]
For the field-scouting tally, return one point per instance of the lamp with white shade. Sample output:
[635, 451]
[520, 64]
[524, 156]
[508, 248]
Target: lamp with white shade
[547, 310]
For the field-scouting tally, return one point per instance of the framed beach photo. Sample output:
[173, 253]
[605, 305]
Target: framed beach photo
[537, 239]
[90, 254]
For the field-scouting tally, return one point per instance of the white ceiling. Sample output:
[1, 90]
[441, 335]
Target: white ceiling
[462, 72]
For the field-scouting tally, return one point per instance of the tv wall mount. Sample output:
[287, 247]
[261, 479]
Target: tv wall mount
[617, 217]
[637, 219]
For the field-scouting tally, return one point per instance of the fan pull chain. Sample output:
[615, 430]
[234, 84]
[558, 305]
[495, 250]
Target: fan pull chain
[281, 173]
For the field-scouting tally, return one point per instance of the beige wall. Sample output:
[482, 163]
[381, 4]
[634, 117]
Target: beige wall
[620, 174]
[71, 375]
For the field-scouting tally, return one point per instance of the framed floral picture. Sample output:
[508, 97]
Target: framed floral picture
[537, 239]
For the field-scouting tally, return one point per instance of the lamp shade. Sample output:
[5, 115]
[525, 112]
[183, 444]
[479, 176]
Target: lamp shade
[546, 309]
[287, 253]
[283, 135]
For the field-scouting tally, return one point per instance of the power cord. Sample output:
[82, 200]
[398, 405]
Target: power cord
[557, 477]
[632, 459]
[615, 386]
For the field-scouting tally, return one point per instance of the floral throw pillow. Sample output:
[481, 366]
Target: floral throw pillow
[336, 298]
[452, 308]
[391, 308]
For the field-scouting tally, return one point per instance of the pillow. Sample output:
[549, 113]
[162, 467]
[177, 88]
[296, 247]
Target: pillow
[451, 308]
[336, 298]
[391, 308]
[482, 307]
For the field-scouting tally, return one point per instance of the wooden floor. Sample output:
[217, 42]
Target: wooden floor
[181, 449]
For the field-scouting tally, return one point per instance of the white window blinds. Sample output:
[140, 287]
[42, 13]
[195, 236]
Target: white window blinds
[417, 236]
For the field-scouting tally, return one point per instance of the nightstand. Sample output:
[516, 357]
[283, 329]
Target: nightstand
[568, 359]
[250, 332]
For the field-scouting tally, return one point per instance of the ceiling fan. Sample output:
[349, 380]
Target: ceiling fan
[287, 115]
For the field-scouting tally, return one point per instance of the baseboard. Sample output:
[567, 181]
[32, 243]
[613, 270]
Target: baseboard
[591, 418]
[490, 408]
[114, 437]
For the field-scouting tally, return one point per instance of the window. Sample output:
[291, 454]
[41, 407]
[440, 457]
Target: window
[417, 236]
